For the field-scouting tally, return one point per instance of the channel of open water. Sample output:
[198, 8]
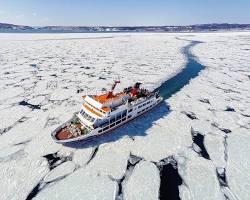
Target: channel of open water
[170, 178]
[191, 70]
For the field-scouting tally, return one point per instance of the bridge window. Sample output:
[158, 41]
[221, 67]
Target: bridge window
[88, 117]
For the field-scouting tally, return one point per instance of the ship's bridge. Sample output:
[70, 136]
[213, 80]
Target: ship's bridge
[95, 108]
[98, 107]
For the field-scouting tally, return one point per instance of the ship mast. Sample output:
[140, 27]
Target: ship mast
[110, 93]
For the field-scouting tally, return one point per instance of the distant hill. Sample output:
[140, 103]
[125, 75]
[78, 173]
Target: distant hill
[4, 27]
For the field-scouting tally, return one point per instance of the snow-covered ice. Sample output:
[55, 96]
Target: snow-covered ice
[206, 130]
[145, 177]
[80, 185]
[20, 175]
[59, 172]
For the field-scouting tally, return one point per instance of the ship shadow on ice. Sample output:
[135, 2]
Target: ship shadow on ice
[136, 127]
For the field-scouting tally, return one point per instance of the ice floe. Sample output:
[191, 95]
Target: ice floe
[59, 172]
[143, 183]
[80, 185]
[20, 175]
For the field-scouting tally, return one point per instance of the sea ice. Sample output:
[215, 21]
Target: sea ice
[53, 71]
[20, 175]
[80, 185]
[111, 159]
[143, 183]
[59, 172]
[237, 171]
[200, 178]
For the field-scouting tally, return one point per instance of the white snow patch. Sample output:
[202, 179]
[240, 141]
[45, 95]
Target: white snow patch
[161, 142]
[37, 100]
[82, 156]
[200, 177]
[19, 177]
[214, 145]
[80, 185]
[10, 93]
[111, 159]
[12, 115]
[144, 182]
[6, 152]
[25, 131]
[59, 172]
[237, 171]
[42, 145]
[61, 94]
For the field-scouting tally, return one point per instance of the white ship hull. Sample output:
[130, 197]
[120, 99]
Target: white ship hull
[137, 110]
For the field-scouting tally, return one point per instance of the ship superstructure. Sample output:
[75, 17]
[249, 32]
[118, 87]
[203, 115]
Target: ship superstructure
[100, 114]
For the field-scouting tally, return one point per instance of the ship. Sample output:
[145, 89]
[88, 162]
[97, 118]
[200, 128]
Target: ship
[103, 113]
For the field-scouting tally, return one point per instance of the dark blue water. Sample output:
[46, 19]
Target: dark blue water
[191, 70]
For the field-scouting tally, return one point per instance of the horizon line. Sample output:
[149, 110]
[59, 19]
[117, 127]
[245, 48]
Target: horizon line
[235, 23]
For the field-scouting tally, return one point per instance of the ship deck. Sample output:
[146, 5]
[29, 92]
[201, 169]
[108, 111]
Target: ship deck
[104, 98]
[65, 134]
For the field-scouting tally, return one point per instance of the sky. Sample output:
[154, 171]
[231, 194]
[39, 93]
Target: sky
[123, 12]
